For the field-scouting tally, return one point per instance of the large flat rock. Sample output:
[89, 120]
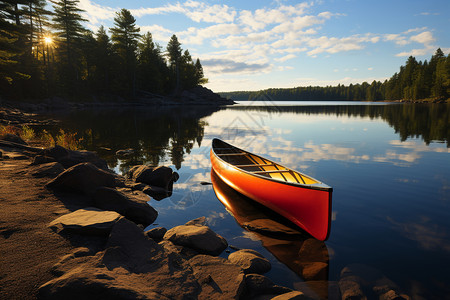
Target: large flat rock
[89, 220]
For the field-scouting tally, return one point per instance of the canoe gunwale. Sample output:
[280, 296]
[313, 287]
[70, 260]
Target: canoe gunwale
[316, 186]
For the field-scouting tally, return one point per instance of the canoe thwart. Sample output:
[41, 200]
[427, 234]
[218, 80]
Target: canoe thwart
[255, 165]
[228, 154]
[273, 171]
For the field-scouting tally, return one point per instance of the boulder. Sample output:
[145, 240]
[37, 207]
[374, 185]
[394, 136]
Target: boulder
[91, 220]
[42, 159]
[12, 138]
[250, 261]
[51, 169]
[128, 247]
[133, 207]
[82, 178]
[199, 238]
[161, 176]
[157, 233]
[69, 158]
[217, 277]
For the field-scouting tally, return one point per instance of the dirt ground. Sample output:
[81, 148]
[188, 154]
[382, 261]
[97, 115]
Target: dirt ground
[28, 248]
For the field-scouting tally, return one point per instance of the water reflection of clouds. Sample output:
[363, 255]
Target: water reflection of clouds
[415, 149]
[428, 235]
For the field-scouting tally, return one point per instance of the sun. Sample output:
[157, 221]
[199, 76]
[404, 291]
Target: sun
[48, 40]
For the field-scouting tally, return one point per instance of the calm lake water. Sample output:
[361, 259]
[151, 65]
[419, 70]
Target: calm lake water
[389, 166]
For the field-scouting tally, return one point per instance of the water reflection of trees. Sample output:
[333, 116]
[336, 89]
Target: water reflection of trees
[155, 134]
[431, 122]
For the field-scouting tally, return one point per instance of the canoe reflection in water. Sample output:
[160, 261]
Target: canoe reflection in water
[300, 252]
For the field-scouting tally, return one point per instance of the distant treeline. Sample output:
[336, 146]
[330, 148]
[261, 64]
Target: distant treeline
[47, 53]
[415, 81]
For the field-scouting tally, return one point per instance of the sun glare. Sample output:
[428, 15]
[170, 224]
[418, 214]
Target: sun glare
[48, 40]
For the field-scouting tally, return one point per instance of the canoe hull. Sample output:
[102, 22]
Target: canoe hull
[308, 208]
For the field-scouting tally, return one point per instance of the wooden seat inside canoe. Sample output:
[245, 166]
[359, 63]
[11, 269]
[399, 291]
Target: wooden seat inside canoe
[257, 165]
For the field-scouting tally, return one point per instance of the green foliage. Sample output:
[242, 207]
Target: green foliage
[39, 58]
[416, 80]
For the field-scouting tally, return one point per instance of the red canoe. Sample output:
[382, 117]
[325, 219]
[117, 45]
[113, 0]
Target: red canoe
[303, 200]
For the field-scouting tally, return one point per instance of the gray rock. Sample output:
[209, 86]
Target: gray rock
[91, 220]
[250, 261]
[199, 238]
[51, 169]
[156, 233]
[82, 178]
[217, 277]
[133, 207]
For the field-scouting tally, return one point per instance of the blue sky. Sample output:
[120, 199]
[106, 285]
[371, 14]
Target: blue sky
[253, 45]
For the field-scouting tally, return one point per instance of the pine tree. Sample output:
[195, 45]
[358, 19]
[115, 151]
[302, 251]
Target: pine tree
[174, 58]
[103, 61]
[151, 65]
[125, 36]
[67, 21]
[199, 75]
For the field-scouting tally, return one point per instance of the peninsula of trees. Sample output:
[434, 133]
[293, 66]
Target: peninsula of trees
[49, 53]
[416, 80]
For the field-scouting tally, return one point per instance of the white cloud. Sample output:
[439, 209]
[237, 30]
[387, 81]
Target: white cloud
[285, 58]
[425, 38]
[96, 13]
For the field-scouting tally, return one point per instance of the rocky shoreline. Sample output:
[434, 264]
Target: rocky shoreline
[71, 228]
[198, 95]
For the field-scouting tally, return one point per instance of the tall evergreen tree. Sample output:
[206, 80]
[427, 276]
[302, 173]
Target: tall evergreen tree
[174, 53]
[103, 61]
[125, 36]
[67, 21]
[152, 69]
